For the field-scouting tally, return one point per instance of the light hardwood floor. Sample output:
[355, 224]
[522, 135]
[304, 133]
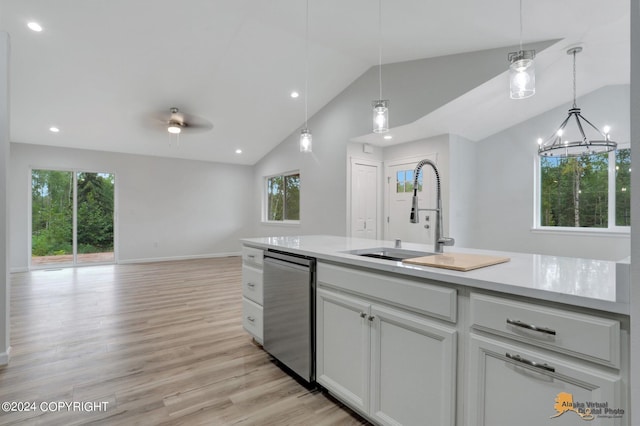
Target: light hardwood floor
[160, 343]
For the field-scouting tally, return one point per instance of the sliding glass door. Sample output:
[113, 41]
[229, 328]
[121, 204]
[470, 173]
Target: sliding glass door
[51, 217]
[72, 218]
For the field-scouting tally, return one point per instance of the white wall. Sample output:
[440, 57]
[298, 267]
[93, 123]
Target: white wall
[5, 348]
[504, 183]
[167, 208]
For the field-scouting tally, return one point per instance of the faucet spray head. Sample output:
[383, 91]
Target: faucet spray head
[413, 218]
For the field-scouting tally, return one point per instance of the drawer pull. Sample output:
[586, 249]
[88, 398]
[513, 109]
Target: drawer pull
[252, 285]
[518, 358]
[251, 319]
[251, 256]
[531, 327]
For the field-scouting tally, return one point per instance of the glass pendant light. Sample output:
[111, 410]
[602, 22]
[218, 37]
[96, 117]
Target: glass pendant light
[583, 139]
[522, 73]
[305, 140]
[380, 106]
[305, 135]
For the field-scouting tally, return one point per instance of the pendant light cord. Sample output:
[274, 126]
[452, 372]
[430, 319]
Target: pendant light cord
[521, 25]
[574, 79]
[380, 46]
[306, 67]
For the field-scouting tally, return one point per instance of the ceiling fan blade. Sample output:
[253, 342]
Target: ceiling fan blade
[196, 123]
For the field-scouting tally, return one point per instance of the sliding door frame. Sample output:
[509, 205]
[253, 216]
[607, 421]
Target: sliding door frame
[74, 216]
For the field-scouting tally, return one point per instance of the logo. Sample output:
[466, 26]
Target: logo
[585, 410]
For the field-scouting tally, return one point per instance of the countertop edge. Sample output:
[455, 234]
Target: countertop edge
[447, 276]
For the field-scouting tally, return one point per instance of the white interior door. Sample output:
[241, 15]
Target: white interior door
[399, 180]
[364, 200]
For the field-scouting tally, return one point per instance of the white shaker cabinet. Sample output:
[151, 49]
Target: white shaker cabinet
[395, 367]
[526, 360]
[252, 292]
[343, 347]
[413, 369]
[511, 384]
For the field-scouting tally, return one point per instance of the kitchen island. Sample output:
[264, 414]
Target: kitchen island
[410, 344]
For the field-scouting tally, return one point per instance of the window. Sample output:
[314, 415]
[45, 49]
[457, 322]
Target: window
[586, 192]
[404, 181]
[283, 197]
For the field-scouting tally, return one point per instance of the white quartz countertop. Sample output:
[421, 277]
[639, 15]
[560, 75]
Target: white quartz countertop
[594, 284]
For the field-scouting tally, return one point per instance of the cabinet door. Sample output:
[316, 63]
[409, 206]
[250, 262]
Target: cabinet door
[507, 391]
[342, 348]
[413, 369]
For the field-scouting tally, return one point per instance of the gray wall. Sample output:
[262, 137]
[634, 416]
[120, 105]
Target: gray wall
[4, 200]
[504, 183]
[462, 200]
[635, 214]
[167, 208]
[491, 181]
[410, 88]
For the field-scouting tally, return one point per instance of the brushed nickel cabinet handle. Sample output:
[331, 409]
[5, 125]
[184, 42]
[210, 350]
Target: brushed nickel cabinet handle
[250, 318]
[519, 359]
[521, 324]
[252, 285]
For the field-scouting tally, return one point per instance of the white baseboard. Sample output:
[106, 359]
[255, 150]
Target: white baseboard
[17, 269]
[5, 357]
[168, 259]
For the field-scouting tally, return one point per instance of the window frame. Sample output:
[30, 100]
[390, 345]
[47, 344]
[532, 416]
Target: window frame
[611, 230]
[265, 199]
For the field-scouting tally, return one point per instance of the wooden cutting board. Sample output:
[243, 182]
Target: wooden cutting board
[457, 261]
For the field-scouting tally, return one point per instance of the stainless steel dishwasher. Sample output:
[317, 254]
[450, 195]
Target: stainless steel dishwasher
[289, 311]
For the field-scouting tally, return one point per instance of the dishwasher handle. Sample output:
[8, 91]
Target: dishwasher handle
[290, 258]
[284, 264]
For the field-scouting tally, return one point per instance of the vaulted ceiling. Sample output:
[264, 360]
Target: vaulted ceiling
[101, 69]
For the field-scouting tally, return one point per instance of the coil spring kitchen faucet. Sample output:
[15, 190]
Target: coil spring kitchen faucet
[440, 240]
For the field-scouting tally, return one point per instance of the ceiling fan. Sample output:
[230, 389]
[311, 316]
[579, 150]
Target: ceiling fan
[176, 122]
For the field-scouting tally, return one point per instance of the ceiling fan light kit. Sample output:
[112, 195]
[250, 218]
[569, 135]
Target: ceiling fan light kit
[177, 122]
[174, 126]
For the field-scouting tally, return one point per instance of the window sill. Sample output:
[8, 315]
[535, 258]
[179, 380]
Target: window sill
[290, 223]
[587, 232]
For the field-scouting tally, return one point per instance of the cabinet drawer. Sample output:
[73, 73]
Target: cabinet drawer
[252, 255]
[418, 296]
[585, 336]
[252, 283]
[505, 381]
[252, 318]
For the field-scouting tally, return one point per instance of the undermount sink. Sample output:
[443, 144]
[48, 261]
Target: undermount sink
[388, 253]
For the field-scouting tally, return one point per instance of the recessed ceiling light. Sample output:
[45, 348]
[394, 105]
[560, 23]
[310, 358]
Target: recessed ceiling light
[387, 137]
[294, 94]
[54, 129]
[34, 26]
[238, 151]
